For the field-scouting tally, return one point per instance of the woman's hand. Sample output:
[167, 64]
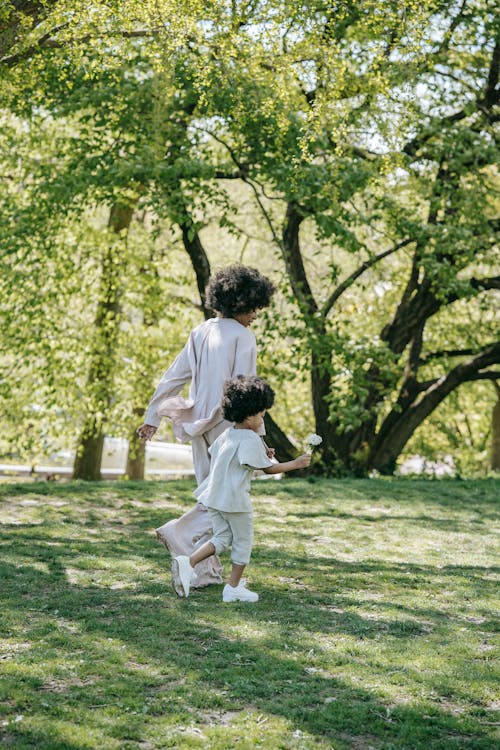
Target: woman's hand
[146, 431]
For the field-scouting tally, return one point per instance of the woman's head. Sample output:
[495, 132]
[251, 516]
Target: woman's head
[245, 396]
[237, 290]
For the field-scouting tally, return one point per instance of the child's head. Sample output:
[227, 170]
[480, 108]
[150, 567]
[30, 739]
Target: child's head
[245, 396]
[238, 289]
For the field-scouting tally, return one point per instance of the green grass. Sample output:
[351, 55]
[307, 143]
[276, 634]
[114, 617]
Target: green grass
[375, 627]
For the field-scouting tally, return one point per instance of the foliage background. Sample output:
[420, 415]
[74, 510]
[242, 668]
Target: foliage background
[367, 123]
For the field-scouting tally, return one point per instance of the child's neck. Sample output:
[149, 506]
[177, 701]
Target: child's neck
[243, 426]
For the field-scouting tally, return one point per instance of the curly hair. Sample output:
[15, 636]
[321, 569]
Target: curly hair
[244, 396]
[238, 289]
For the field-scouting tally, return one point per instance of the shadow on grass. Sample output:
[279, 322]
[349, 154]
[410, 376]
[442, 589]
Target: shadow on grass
[187, 667]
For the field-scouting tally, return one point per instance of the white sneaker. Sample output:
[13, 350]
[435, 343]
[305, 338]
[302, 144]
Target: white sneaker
[183, 575]
[238, 593]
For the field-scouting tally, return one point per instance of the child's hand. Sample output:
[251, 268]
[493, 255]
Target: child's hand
[146, 431]
[303, 461]
[270, 452]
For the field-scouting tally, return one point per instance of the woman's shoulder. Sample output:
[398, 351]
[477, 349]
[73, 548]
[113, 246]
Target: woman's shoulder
[204, 325]
[200, 332]
[238, 331]
[225, 330]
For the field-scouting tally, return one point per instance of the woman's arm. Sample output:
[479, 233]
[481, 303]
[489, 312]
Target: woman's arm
[174, 379]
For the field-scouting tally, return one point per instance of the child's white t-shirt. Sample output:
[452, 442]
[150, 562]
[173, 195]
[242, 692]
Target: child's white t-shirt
[234, 456]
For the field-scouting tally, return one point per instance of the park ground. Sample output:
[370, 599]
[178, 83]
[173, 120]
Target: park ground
[374, 631]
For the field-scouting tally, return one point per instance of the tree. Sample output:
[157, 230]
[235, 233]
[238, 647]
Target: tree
[297, 115]
[366, 135]
[100, 382]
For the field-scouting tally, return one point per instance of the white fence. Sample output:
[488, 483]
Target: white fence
[163, 461]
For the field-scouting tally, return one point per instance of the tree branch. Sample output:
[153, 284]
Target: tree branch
[484, 103]
[399, 426]
[15, 20]
[416, 143]
[417, 342]
[220, 175]
[293, 260]
[487, 283]
[492, 93]
[243, 174]
[48, 42]
[356, 274]
[451, 28]
[449, 353]
[199, 258]
[44, 42]
[490, 375]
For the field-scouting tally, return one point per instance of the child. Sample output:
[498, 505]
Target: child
[218, 349]
[234, 456]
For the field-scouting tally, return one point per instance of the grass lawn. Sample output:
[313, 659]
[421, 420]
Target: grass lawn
[375, 627]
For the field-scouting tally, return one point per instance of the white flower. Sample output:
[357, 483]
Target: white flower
[314, 440]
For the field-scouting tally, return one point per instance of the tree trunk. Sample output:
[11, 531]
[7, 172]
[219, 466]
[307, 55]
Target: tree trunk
[320, 389]
[495, 438]
[276, 438]
[88, 458]
[136, 458]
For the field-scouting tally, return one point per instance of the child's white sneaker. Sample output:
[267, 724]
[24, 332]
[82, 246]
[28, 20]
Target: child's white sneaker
[238, 593]
[183, 575]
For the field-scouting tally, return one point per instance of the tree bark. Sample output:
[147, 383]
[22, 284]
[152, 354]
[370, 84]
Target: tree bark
[293, 260]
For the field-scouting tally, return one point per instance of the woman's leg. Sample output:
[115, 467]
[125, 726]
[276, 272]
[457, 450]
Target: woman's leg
[201, 457]
[181, 536]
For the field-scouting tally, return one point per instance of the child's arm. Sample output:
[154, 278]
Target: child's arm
[298, 463]
[269, 451]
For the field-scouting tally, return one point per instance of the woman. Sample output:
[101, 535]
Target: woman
[216, 350]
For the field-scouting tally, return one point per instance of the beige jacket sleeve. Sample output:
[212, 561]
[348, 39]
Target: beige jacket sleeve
[174, 379]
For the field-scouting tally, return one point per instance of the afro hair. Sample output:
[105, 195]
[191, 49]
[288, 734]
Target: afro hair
[245, 396]
[238, 289]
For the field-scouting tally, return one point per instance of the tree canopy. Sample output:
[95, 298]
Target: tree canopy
[350, 148]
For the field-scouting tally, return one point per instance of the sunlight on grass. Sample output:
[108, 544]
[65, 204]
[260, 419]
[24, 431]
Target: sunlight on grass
[375, 627]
